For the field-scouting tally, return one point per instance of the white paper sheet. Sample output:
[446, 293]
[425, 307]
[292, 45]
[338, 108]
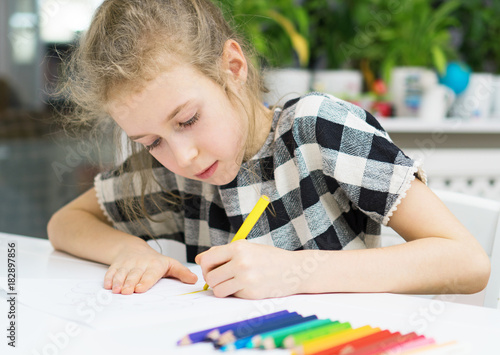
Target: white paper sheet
[86, 302]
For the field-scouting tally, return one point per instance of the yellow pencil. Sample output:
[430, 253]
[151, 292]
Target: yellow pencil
[250, 221]
[329, 341]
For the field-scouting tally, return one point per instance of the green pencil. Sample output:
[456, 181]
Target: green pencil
[293, 340]
[274, 339]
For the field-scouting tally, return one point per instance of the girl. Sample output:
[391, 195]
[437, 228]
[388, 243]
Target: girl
[176, 79]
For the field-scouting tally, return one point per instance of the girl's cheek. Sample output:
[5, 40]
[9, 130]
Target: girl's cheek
[162, 156]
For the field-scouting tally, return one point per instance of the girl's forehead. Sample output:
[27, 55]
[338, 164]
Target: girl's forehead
[175, 76]
[168, 89]
[175, 81]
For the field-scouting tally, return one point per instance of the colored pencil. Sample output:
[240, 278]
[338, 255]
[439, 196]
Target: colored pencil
[249, 222]
[274, 339]
[247, 327]
[411, 345]
[386, 344]
[214, 333]
[449, 348]
[359, 343]
[246, 330]
[312, 336]
[294, 340]
[239, 339]
[329, 341]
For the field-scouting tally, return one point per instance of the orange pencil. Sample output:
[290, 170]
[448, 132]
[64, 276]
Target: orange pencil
[329, 341]
[361, 343]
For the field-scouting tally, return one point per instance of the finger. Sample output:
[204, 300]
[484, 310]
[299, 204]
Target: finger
[180, 272]
[118, 279]
[108, 278]
[131, 281]
[220, 274]
[226, 288]
[238, 288]
[197, 257]
[148, 279]
[214, 257]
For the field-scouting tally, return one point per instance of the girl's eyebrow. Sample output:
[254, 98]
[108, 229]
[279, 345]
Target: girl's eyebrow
[174, 113]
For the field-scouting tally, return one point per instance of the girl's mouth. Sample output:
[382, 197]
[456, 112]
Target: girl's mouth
[208, 172]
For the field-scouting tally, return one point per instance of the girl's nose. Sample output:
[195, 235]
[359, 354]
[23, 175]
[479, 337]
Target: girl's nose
[184, 153]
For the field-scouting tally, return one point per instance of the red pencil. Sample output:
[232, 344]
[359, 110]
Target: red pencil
[386, 344]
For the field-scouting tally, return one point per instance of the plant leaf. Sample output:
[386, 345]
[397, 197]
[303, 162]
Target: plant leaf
[439, 59]
[299, 43]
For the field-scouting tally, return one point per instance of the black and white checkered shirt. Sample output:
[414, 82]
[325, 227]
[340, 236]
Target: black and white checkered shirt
[332, 173]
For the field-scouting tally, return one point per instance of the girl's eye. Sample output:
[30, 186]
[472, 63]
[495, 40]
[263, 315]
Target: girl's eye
[190, 122]
[186, 124]
[153, 145]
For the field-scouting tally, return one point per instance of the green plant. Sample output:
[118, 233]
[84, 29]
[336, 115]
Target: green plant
[278, 29]
[405, 33]
[480, 30]
[333, 23]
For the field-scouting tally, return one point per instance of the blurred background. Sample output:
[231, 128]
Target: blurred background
[429, 70]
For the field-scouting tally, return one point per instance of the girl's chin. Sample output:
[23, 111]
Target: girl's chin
[220, 182]
[223, 179]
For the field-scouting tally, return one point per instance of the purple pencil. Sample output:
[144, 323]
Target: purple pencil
[214, 333]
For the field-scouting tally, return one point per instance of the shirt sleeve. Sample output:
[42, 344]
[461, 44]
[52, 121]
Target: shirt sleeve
[359, 155]
[159, 213]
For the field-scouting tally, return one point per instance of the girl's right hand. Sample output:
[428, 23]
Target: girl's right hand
[137, 268]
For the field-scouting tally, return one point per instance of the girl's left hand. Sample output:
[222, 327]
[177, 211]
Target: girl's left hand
[253, 271]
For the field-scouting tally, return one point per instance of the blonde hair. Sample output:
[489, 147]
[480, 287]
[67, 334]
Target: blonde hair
[130, 42]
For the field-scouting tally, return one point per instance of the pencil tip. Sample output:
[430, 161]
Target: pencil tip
[213, 335]
[256, 342]
[226, 338]
[184, 341]
[288, 342]
[268, 343]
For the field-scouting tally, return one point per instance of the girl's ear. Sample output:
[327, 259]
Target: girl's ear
[234, 62]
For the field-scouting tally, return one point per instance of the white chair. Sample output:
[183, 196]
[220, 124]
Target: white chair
[475, 175]
[482, 218]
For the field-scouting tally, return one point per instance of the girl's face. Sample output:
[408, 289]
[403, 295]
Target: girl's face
[187, 123]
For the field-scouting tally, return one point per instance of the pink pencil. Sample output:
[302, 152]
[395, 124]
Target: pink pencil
[410, 345]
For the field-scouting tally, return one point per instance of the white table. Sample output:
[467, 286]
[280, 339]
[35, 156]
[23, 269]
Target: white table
[40, 331]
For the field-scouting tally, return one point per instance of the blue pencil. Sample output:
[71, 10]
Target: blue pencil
[214, 333]
[245, 330]
[230, 342]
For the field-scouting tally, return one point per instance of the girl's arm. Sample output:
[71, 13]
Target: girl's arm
[80, 228]
[441, 256]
